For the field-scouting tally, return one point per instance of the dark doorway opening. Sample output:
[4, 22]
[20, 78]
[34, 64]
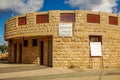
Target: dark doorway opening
[20, 53]
[41, 52]
[15, 53]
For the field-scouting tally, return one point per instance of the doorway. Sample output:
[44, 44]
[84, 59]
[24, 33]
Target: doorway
[41, 52]
[15, 53]
[46, 52]
[20, 53]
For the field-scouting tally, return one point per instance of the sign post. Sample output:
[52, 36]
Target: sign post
[96, 50]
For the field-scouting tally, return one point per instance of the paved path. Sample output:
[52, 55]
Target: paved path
[35, 72]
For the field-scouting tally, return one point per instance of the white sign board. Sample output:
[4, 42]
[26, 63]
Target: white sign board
[95, 48]
[65, 29]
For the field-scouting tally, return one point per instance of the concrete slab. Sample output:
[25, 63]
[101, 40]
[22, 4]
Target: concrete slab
[35, 72]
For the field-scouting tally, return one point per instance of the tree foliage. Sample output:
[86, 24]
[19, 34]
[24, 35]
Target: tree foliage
[3, 48]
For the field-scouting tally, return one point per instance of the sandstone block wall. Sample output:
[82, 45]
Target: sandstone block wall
[68, 51]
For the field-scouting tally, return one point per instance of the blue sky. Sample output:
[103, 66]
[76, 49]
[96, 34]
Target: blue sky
[56, 5]
[26, 6]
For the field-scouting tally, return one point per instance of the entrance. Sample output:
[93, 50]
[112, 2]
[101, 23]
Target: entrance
[15, 53]
[41, 52]
[46, 53]
[20, 53]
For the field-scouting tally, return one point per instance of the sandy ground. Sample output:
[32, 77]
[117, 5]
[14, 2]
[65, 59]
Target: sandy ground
[35, 72]
[4, 56]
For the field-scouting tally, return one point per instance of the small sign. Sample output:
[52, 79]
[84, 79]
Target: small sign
[65, 29]
[95, 48]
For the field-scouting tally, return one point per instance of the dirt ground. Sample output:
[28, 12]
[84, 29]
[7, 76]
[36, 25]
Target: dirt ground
[35, 72]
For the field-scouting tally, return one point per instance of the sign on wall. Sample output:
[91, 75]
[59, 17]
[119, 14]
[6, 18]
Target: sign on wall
[95, 48]
[65, 29]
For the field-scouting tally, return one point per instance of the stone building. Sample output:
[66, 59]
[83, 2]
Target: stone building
[65, 39]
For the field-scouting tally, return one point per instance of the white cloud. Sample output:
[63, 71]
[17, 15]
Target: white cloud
[21, 6]
[94, 5]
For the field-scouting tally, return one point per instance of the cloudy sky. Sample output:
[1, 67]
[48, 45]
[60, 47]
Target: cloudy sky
[25, 6]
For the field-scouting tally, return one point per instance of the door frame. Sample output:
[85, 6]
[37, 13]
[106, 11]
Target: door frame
[46, 56]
